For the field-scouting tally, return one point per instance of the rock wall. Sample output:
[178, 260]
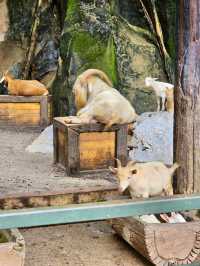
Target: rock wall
[74, 35]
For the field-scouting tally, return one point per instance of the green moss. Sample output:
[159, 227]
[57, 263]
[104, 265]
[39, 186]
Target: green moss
[144, 101]
[73, 11]
[95, 53]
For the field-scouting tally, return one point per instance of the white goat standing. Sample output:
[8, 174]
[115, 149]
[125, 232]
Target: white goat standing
[160, 89]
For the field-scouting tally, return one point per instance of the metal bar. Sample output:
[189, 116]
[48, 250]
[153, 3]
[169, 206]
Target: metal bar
[94, 211]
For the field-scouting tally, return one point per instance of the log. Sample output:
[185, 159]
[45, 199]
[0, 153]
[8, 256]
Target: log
[162, 244]
[187, 97]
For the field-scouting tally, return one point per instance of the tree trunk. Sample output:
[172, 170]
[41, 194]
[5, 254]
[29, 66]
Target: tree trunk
[187, 97]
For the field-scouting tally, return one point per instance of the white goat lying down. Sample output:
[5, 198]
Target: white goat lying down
[145, 179]
[162, 90]
[97, 101]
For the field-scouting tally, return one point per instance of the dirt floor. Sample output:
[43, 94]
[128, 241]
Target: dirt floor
[88, 244]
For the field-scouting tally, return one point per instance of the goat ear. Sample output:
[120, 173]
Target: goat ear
[80, 93]
[113, 169]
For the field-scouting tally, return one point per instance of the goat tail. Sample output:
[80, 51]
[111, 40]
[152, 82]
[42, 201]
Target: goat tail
[96, 72]
[174, 167]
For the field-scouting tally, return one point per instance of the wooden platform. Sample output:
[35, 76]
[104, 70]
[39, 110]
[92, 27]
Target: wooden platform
[20, 111]
[58, 198]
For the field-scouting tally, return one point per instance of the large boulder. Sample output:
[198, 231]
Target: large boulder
[153, 138]
[95, 35]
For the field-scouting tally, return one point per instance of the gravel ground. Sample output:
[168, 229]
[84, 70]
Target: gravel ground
[88, 244]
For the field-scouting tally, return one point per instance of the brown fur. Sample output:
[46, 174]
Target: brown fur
[170, 100]
[20, 87]
[96, 100]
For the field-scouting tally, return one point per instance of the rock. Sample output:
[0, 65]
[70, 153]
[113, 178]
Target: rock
[10, 54]
[153, 138]
[4, 20]
[43, 143]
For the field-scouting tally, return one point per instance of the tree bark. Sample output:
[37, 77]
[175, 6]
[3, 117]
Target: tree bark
[33, 41]
[187, 97]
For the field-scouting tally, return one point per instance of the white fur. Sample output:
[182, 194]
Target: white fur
[160, 90]
[145, 179]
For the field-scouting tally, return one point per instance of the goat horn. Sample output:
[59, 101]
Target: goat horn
[118, 163]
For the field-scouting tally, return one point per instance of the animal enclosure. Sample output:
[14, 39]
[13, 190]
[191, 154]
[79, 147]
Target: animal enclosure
[31, 112]
[88, 148]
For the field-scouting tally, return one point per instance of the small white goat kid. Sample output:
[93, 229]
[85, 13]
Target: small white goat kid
[161, 89]
[145, 179]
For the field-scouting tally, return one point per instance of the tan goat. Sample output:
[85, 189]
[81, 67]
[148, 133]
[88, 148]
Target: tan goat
[21, 87]
[145, 179]
[97, 101]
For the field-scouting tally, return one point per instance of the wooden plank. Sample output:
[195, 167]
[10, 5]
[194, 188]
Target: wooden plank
[44, 111]
[20, 99]
[61, 146]
[95, 211]
[21, 121]
[121, 145]
[19, 106]
[19, 113]
[97, 150]
[58, 198]
[50, 113]
[96, 127]
[55, 144]
[72, 148]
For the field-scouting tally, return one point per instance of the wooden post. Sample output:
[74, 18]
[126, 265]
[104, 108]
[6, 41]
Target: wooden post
[187, 97]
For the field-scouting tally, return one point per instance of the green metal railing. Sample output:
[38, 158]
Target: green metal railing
[95, 211]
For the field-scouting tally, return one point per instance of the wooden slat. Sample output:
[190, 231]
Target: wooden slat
[95, 211]
[121, 145]
[44, 111]
[61, 146]
[20, 113]
[25, 111]
[20, 99]
[96, 127]
[55, 144]
[72, 151]
[19, 106]
[97, 150]
[58, 198]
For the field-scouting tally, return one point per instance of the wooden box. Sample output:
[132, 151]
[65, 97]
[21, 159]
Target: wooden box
[12, 248]
[33, 112]
[87, 148]
[162, 244]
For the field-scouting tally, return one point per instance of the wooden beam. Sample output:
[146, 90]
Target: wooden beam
[58, 198]
[187, 97]
[95, 211]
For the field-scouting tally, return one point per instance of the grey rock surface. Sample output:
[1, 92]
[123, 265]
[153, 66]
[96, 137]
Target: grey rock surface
[43, 143]
[153, 138]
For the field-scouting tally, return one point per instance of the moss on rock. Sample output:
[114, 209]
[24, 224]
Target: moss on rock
[86, 42]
